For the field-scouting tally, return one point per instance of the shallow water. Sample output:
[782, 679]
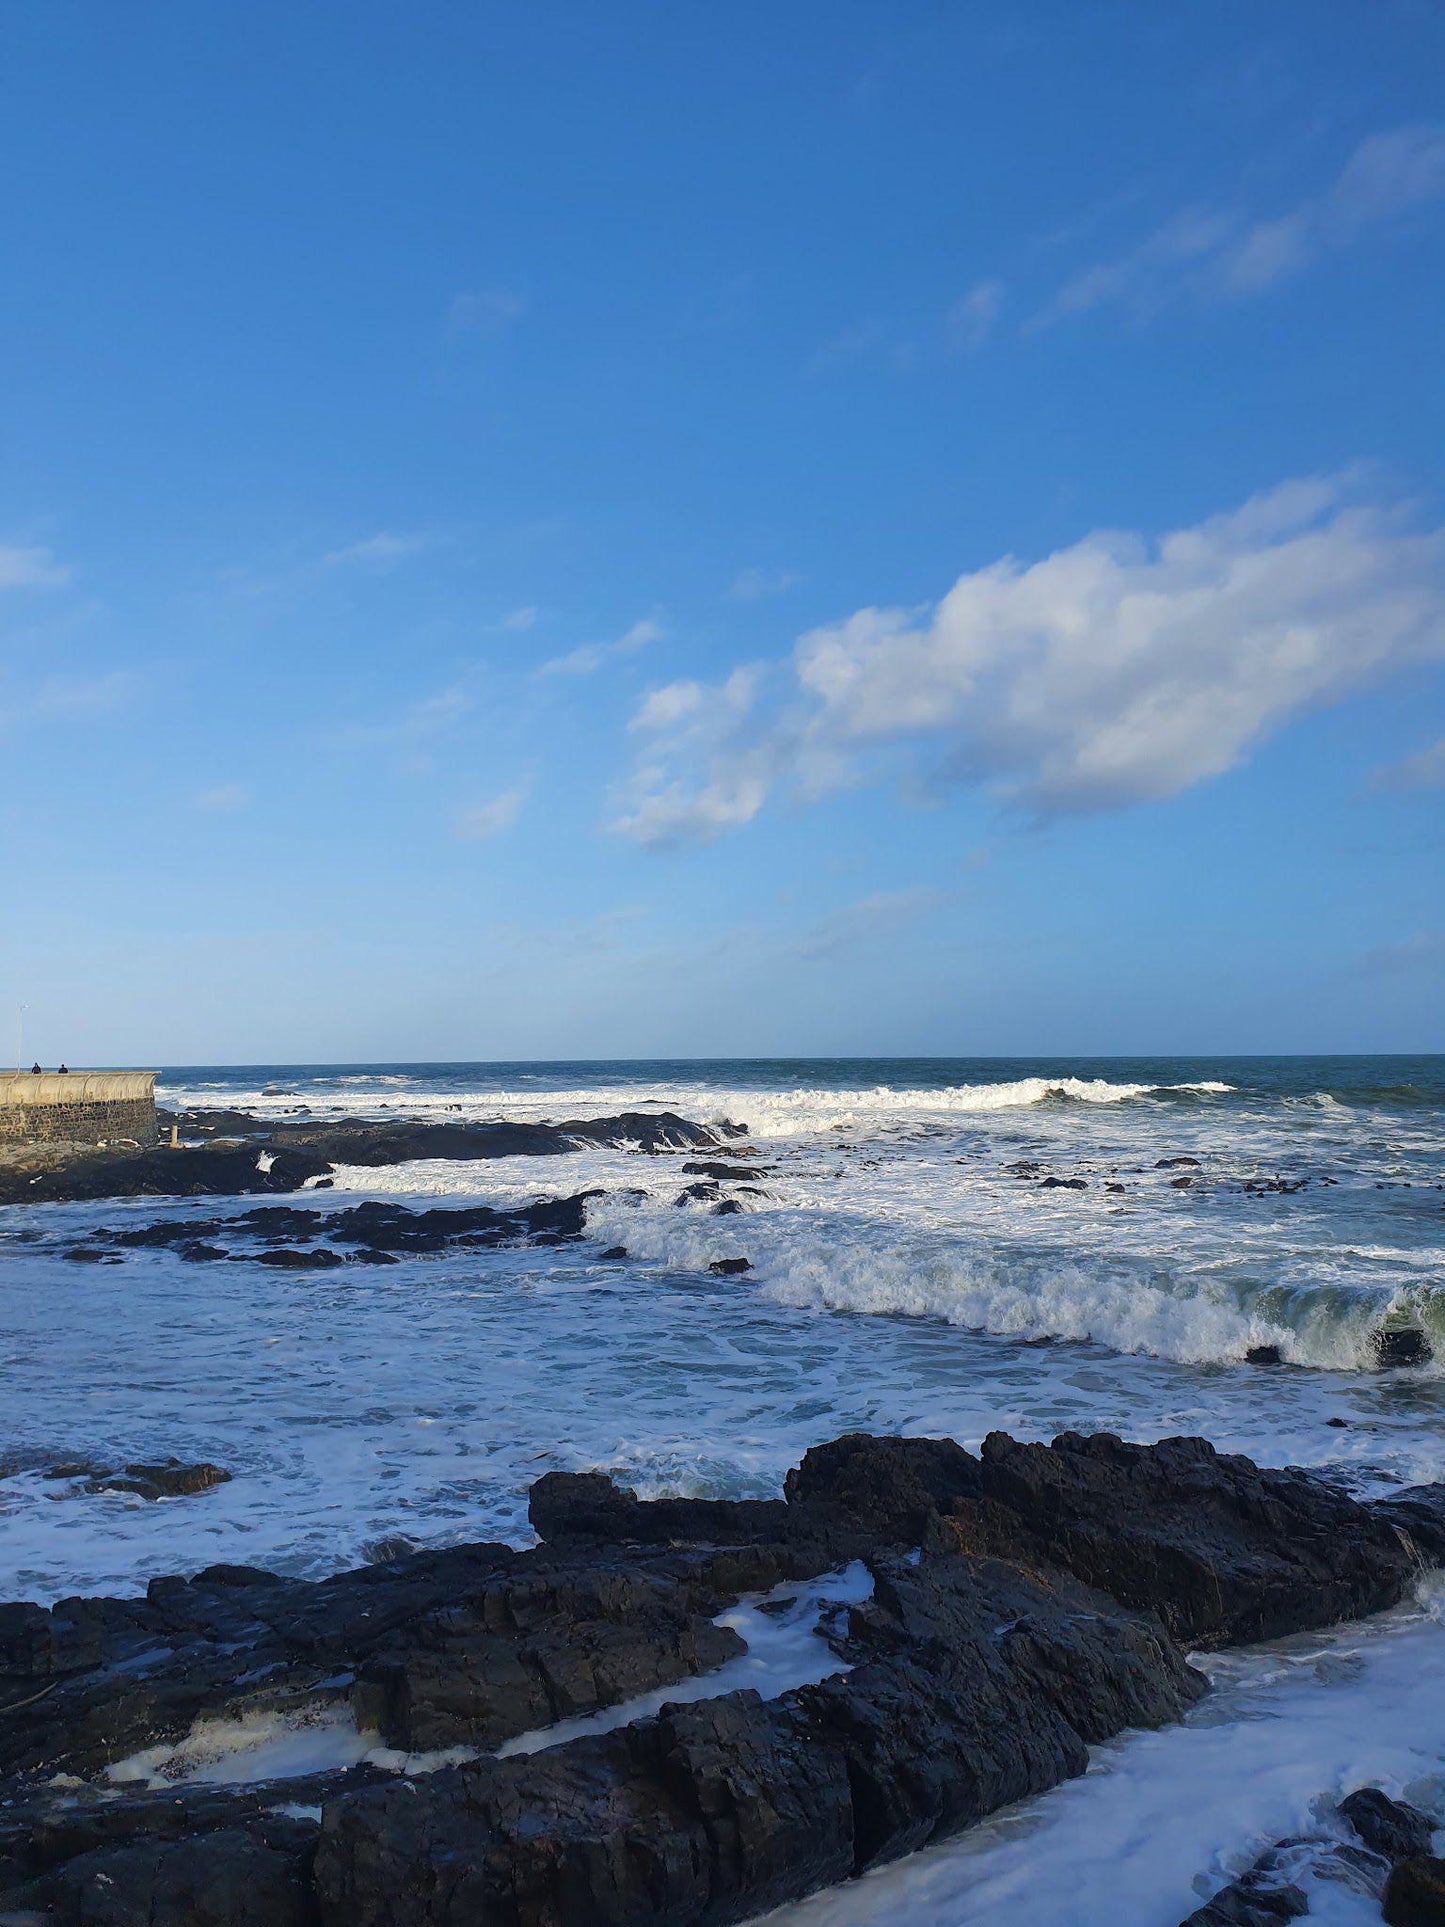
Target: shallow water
[905, 1277]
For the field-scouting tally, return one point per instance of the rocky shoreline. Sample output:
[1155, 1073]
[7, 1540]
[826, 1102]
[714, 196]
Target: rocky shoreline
[1023, 1605]
[233, 1154]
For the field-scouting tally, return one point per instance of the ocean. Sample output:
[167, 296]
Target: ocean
[911, 1270]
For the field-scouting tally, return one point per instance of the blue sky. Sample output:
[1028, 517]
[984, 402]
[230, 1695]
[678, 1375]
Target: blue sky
[575, 530]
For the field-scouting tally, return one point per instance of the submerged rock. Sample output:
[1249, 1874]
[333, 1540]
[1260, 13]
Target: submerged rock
[167, 1479]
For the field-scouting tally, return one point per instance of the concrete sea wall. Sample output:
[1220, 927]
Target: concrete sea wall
[77, 1107]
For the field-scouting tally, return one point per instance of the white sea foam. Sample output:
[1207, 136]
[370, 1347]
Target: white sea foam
[801, 1110]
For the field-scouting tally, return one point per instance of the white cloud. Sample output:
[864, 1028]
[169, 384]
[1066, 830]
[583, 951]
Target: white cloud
[1213, 253]
[225, 798]
[751, 585]
[488, 819]
[486, 311]
[972, 319]
[522, 618]
[701, 775]
[377, 552]
[1112, 672]
[592, 655]
[1425, 770]
[27, 566]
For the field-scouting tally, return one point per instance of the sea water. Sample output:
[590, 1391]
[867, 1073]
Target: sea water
[911, 1270]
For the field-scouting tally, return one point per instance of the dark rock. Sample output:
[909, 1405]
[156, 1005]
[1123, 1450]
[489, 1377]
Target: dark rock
[208, 1170]
[1114, 1187]
[1175, 1164]
[1223, 1551]
[729, 1208]
[702, 1192]
[87, 1255]
[614, 1252]
[987, 1662]
[195, 1252]
[892, 1487]
[399, 1141]
[221, 1879]
[1180, 1184]
[1264, 1355]
[1388, 1827]
[527, 1651]
[1405, 1347]
[1337, 1421]
[168, 1479]
[288, 1258]
[1063, 1184]
[729, 1267]
[1251, 1901]
[718, 1169]
[1415, 1893]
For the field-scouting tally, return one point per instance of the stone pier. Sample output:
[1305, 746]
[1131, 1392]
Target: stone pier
[78, 1107]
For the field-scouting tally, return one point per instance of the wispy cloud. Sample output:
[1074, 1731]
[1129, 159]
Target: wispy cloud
[883, 914]
[1425, 951]
[1224, 253]
[492, 817]
[1424, 770]
[26, 565]
[973, 317]
[378, 553]
[486, 311]
[519, 619]
[1114, 672]
[592, 655]
[417, 721]
[225, 799]
[752, 585]
[80, 695]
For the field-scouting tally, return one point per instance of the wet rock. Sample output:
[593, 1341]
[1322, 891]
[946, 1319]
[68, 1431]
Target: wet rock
[400, 1141]
[1264, 1355]
[1180, 1184]
[1388, 1827]
[1251, 1901]
[1175, 1164]
[374, 1231]
[1415, 1893]
[1407, 1346]
[704, 1192]
[1115, 1187]
[1223, 1551]
[196, 1252]
[717, 1169]
[87, 1255]
[894, 1488]
[167, 1479]
[288, 1258]
[987, 1661]
[1063, 1184]
[221, 1879]
[729, 1208]
[613, 1253]
[729, 1267]
[524, 1652]
[208, 1170]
